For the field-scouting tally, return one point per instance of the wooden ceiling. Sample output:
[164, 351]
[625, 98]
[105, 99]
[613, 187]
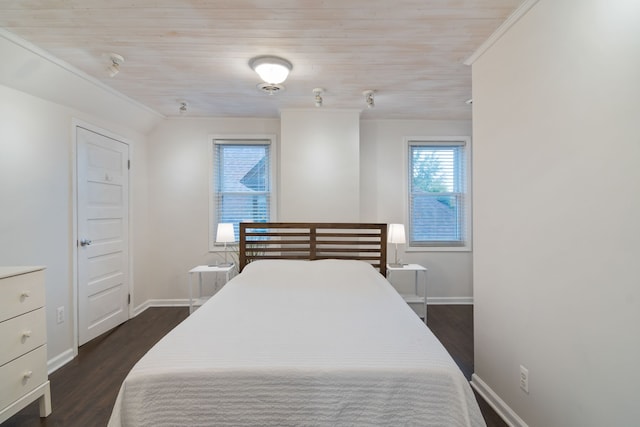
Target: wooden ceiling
[410, 52]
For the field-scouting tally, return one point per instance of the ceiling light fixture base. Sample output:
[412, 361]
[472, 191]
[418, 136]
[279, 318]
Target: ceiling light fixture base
[368, 98]
[317, 92]
[116, 61]
[270, 88]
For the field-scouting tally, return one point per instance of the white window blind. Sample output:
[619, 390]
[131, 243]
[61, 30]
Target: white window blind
[242, 189]
[438, 199]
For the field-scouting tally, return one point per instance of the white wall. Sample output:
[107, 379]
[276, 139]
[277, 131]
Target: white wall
[40, 97]
[383, 198]
[36, 226]
[557, 202]
[179, 176]
[319, 166]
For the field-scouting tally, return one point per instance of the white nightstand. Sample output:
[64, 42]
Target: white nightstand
[414, 298]
[197, 301]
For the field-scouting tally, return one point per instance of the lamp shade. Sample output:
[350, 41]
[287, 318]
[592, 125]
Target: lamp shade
[271, 69]
[396, 234]
[225, 233]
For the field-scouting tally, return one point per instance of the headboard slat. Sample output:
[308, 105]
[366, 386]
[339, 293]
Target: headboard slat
[311, 241]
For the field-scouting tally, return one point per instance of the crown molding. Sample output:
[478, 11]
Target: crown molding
[35, 50]
[502, 29]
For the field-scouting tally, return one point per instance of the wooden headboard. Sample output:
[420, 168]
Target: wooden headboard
[313, 241]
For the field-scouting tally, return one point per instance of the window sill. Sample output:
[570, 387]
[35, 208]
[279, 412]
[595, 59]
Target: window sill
[438, 249]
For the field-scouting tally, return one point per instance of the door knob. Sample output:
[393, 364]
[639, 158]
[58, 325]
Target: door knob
[85, 242]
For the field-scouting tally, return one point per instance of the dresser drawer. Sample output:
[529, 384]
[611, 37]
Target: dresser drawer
[21, 293]
[22, 334]
[23, 375]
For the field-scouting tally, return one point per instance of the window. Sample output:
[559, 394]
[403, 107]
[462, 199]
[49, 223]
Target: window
[438, 199]
[241, 183]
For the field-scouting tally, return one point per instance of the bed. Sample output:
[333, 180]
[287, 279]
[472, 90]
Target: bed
[309, 333]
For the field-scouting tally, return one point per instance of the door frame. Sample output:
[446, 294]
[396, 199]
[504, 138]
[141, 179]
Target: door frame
[75, 304]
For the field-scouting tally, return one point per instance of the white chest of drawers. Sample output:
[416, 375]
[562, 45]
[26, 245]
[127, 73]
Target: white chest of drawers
[23, 341]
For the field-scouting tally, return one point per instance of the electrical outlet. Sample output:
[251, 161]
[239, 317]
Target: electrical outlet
[524, 379]
[60, 314]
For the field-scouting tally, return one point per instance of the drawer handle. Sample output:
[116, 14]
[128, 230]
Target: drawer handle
[25, 295]
[26, 334]
[27, 375]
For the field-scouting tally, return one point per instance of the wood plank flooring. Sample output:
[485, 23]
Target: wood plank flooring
[453, 325]
[83, 391]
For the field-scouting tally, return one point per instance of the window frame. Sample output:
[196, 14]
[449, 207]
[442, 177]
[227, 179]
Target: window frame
[235, 139]
[466, 246]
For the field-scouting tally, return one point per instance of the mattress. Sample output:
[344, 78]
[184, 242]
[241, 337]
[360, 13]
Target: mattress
[292, 343]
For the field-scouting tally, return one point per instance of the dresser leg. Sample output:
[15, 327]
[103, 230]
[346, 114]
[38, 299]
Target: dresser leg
[45, 401]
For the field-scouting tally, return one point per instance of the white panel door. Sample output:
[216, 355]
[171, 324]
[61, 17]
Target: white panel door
[103, 233]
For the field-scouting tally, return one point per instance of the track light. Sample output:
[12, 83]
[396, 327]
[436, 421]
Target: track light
[116, 61]
[368, 98]
[317, 92]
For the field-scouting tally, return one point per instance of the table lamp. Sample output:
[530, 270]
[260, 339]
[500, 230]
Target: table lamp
[396, 236]
[225, 235]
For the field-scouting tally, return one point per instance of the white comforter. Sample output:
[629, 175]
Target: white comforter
[293, 343]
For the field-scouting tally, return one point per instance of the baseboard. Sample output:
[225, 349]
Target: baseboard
[450, 300]
[506, 413]
[160, 303]
[68, 355]
[60, 360]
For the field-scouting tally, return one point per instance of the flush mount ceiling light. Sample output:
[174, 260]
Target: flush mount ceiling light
[116, 61]
[272, 70]
[368, 98]
[317, 92]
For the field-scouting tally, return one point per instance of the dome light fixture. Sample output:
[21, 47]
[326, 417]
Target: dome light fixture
[272, 70]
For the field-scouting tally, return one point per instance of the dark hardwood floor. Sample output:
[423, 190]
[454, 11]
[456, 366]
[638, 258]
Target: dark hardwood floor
[453, 325]
[83, 391]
